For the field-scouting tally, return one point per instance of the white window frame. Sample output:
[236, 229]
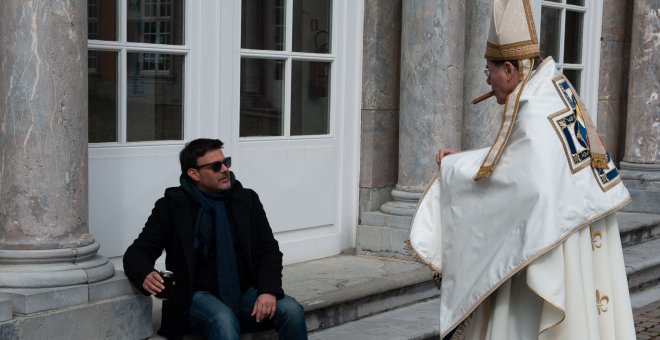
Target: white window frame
[288, 56]
[123, 47]
[590, 66]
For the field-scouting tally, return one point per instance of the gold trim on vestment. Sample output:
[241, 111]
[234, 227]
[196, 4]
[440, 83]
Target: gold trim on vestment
[611, 184]
[547, 299]
[412, 246]
[516, 51]
[508, 120]
[531, 259]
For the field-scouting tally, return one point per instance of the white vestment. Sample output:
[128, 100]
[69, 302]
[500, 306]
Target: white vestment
[533, 251]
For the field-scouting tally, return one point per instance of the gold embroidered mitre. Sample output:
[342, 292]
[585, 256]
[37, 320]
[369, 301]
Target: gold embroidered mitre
[512, 34]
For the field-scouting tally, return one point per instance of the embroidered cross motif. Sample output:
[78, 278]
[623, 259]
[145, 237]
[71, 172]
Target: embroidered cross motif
[572, 132]
[601, 302]
[570, 127]
[596, 238]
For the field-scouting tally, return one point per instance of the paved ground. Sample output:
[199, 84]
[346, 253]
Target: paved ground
[647, 322]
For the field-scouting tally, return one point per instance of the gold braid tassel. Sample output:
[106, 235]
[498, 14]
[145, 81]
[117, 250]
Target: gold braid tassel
[599, 160]
[462, 328]
[484, 171]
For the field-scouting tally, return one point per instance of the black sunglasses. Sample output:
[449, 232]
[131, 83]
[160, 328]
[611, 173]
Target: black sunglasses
[217, 165]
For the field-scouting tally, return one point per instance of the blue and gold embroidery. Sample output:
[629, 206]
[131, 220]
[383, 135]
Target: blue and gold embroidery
[601, 302]
[571, 129]
[609, 177]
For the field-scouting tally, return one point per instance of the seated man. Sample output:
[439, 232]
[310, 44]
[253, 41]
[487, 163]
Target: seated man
[227, 265]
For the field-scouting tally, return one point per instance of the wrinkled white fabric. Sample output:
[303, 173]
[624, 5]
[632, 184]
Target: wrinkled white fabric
[532, 218]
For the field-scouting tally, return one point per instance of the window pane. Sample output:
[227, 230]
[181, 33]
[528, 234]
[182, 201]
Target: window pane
[550, 32]
[573, 38]
[262, 88]
[574, 77]
[575, 2]
[102, 20]
[309, 98]
[262, 24]
[102, 96]
[311, 25]
[155, 21]
[154, 98]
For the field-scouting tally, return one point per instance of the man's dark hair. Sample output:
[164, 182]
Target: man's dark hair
[195, 149]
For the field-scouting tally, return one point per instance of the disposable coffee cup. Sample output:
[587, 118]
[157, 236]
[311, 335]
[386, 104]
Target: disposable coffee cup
[168, 281]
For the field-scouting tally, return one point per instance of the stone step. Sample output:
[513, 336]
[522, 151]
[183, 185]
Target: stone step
[417, 321]
[6, 309]
[643, 266]
[637, 228]
[344, 288]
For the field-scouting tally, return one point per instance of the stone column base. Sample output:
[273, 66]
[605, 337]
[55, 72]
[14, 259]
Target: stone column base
[643, 182]
[53, 267]
[384, 233]
[110, 309]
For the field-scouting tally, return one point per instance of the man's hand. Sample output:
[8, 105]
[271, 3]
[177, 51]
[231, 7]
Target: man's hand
[153, 283]
[442, 153]
[264, 307]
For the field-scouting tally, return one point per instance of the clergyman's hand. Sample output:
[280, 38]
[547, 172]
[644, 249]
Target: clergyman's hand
[442, 153]
[264, 307]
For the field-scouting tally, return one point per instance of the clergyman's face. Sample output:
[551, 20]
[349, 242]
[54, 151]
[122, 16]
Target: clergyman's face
[208, 180]
[503, 79]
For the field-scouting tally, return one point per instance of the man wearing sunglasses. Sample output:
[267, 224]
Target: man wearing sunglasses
[227, 265]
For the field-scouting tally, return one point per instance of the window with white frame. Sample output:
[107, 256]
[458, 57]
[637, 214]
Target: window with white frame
[563, 36]
[286, 61]
[136, 93]
[92, 32]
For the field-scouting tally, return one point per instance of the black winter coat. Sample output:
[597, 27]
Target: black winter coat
[170, 227]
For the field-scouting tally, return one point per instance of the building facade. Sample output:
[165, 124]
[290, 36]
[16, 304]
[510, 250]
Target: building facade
[331, 110]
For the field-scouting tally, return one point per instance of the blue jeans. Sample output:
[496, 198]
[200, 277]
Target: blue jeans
[208, 316]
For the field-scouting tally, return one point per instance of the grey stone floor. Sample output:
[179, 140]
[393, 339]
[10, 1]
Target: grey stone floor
[647, 322]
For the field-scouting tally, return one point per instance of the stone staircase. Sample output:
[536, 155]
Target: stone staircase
[363, 297]
[640, 237]
[346, 291]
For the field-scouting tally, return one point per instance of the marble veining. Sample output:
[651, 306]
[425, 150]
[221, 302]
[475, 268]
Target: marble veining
[431, 93]
[643, 124]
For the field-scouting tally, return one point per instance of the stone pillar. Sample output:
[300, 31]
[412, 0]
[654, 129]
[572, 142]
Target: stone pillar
[482, 121]
[44, 239]
[431, 101]
[380, 102]
[50, 270]
[613, 79]
[640, 168]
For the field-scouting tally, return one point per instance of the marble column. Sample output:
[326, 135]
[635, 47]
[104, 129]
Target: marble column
[380, 102]
[431, 94]
[613, 78]
[640, 168]
[481, 121]
[44, 238]
[430, 110]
